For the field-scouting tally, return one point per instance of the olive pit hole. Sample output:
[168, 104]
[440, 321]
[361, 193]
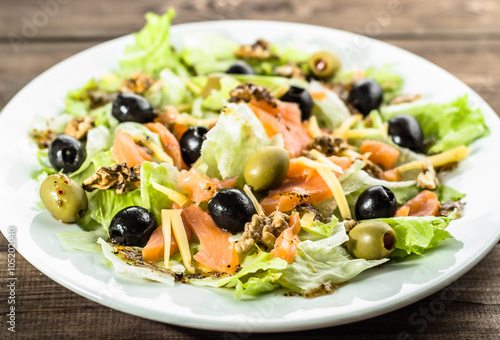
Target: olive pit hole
[389, 241]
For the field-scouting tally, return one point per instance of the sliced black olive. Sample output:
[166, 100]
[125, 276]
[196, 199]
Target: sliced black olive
[366, 95]
[191, 142]
[231, 209]
[376, 202]
[131, 107]
[302, 98]
[240, 67]
[132, 226]
[407, 132]
[66, 153]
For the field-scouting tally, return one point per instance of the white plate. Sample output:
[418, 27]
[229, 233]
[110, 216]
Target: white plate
[373, 293]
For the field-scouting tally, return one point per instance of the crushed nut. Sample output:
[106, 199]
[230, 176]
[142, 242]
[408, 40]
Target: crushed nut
[373, 169]
[119, 177]
[427, 178]
[248, 91]
[79, 127]
[349, 224]
[138, 83]
[43, 138]
[290, 70]
[262, 229]
[259, 50]
[405, 98]
[100, 98]
[447, 208]
[328, 145]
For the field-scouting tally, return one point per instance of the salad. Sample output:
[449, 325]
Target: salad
[257, 167]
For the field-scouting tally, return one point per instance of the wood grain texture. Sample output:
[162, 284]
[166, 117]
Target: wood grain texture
[461, 36]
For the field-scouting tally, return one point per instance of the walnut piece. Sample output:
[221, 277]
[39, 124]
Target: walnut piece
[248, 91]
[290, 70]
[262, 229]
[349, 224]
[328, 145]
[119, 177]
[427, 178]
[138, 83]
[79, 127]
[43, 138]
[259, 50]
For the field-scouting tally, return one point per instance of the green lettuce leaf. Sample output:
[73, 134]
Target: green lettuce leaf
[216, 100]
[152, 51]
[445, 194]
[448, 125]
[82, 240]
[321, 229]
[99, 139]
[330, 111]
[235, 138]
[416, 234]
[173, 91]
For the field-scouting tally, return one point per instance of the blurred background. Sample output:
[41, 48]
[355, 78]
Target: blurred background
[461, 36]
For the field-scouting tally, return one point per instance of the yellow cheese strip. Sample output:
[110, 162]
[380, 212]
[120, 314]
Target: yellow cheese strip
[258, 207]
[313, 164]
[358, 133]
[307, 219]
[450, 156]
[323, 159]
[313, 128]
[157, 151]
[187, 119]
[166, 228]
[338, 194]
[181, 239]
[346, 125]
[280, 91]
[173, 195]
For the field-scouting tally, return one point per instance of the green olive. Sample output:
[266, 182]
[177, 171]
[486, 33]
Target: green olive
[64, 198]
[324, 64]
[266, 168]
[371, 240]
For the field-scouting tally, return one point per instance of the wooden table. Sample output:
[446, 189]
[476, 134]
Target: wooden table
[460, 36]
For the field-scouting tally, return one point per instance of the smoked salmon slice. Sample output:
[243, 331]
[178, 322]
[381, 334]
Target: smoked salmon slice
[125, 150]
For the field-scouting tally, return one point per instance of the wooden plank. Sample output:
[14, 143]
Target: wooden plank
[51, 311]
[472, 63]
[47, 19]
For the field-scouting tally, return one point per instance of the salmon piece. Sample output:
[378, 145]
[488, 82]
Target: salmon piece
[200, 188]
[155, 249]
[216, 251]
[402, 212]
[125, 150]
[382, 154]
[301, 185]
[286, 244]
[319, 95]
[170, 144]
[168, 116]
[425, 203]
[284, 119]
[392, 175]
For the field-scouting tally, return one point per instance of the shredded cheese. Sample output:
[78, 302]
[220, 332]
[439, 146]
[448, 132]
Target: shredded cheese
[166, 229]
[181, 239]
[280, 91]
[173, 195]
[450, 156]
[313, 164]
[258, 207]
[358, 133]
[346, 125]
[307, 219]
[157, 151]
[192, 86]
[313, 128]
[187, 119]
[324, 160]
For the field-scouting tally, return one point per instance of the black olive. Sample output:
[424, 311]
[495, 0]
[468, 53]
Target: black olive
[132, 226]
[376, 202]
[407, 132]
[131, 107]
[302, 97]
[231, 209]
[240, 67]
[191, 142]
[366, 95]
[66, 153]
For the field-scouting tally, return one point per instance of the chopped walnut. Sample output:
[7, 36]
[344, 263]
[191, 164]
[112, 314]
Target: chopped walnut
[248, 91]
[79, 127]
[349, 224]
[447, 208]
[258, 50]
[100, 98]
[405, 98]
[43, 138]
[427, 178]
[262, 229]
[290, 70]
[119, 177]
[328, 145]
[138, 83]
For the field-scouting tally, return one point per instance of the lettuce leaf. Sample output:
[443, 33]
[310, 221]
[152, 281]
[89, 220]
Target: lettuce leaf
[82, 240]
[321, 229]
[445, 194]
[416, 234]
[448, 125]
[323, 262]
[330, 111]
[173, 91]
[99, 139]
[216, 100]
[152, 51]
[232, 141]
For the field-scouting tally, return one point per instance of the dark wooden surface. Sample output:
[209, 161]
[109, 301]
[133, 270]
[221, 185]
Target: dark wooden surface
[460, 36]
